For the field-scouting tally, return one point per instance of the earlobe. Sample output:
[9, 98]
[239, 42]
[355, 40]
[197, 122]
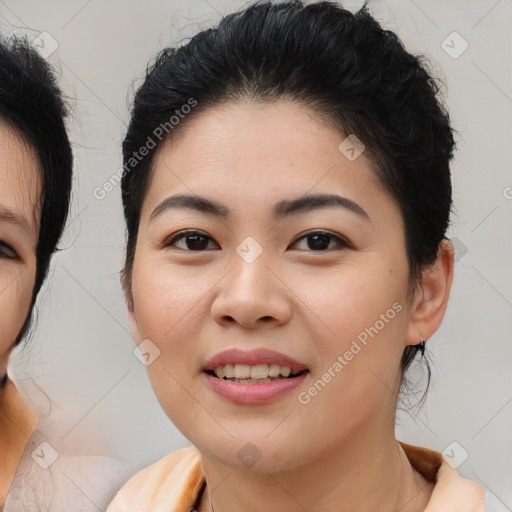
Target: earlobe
[132, 319]
[431, 299]
[129, 305]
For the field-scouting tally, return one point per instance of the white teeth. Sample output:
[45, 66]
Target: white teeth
[285, 371]
[274, 370]
[242, 371]
[258, 372]
[229, 371]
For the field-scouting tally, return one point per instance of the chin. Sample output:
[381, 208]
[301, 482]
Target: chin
[251, 453]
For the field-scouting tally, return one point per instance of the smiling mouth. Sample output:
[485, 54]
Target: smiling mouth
[254, 374]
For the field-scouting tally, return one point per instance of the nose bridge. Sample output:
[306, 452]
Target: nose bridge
[250, 274]
[250, 291]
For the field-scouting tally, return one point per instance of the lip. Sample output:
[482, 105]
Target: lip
[253, 393]
[252, 357]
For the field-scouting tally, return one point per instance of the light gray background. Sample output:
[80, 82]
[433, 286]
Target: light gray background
[79, 363]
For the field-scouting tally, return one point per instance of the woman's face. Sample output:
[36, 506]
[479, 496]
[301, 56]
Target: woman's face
[251, 286]
[19, 221]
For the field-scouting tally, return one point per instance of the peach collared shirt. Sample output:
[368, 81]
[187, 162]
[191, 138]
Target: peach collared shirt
[173, 484]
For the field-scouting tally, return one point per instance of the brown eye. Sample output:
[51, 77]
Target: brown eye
[193, 240]
[321, 240]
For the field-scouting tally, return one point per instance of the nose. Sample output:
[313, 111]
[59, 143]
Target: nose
[252, 295]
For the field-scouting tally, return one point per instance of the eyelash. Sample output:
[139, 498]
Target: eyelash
[341, 242]
[7, 252]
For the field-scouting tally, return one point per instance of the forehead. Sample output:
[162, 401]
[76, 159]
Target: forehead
[270, 133]
[258, 153]
[20, 177]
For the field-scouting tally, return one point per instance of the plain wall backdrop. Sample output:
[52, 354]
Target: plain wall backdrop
[79, 363]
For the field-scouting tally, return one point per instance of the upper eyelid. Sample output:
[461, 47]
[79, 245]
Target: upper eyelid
[181, 234]
[343, 241]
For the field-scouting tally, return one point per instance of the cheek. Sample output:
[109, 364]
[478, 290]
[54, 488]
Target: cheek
[165, 300]
[170, 312]
[350, 300]
[162, 305]
[360, 320]
[16, 285]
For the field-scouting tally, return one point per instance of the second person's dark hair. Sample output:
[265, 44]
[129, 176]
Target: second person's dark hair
[31, 102]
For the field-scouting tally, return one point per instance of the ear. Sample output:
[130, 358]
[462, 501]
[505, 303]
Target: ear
[132, 317]
[134, 324]
[431, 295]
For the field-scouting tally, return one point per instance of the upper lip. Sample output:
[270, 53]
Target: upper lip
[252, 358]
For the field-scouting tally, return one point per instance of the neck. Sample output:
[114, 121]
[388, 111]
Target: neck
[17, 422]
[367, 472]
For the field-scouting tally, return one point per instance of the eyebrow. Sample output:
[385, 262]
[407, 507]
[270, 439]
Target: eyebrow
[12, 217]
[281, 209]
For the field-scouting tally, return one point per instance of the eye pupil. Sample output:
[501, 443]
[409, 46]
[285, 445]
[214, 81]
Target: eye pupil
[320, 241]
[199, 242]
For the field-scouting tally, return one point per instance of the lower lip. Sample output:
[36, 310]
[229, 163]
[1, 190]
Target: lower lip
[253, 393]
